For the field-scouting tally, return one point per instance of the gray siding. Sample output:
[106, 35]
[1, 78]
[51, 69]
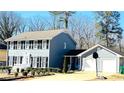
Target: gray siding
[103, 54]
[57, 50]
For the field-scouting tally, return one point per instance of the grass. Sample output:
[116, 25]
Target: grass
[3, 55]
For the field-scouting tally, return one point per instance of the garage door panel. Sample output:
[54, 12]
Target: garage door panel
[90, 65]
[109, 66]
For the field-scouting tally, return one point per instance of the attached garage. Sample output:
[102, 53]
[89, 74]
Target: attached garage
[108, 60]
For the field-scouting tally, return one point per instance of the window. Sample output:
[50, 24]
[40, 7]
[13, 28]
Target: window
[44, 45]
[14, 60]
[26, 44]
[31, 44]
[22, 44]
[21, 60]
[15, 45]
[39, 44]
[38, 61]
[35, 44]
[18, 45]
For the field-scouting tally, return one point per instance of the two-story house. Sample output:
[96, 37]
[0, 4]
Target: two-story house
[39, 49]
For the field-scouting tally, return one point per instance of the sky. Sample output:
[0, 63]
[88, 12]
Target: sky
[46, 14]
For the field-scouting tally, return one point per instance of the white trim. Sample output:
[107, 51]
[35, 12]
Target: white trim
[98, 45]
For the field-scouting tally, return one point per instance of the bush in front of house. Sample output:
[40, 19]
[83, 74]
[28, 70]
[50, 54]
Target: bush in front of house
[22, 70]
[6, 68]
[38, 71]
[33, 73]
[16, 74]
[25, 73]
[29, 69]
[121, 69]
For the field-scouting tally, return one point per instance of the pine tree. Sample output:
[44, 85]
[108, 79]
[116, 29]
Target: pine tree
[110, 31]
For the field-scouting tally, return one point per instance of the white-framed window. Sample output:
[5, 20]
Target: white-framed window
[39, 44]
[26, 44]
[35, 44]
[19, 45]
[31, 44]
[14, 60]
[22, 44]
[21, 57]
[44, 44]
[15, 45]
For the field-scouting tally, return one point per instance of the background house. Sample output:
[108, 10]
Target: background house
[3, 53]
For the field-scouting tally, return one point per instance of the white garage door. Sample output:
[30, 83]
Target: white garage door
[103, 65]
[109, 66]
[89, 64]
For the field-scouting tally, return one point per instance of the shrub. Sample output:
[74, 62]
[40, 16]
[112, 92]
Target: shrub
[29, 69]
[33, 72]
[22, 70]
[5, 67]
[43, 71]
[16, 74]
[38, 71]
[25, 73]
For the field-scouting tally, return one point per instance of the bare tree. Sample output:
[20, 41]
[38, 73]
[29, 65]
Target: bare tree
[83, 30]
[9, 25]
[37, 24]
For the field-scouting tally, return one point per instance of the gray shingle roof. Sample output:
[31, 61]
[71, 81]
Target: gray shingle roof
[36, 35]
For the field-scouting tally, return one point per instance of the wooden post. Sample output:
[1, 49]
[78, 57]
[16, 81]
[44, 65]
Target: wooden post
[80, 64]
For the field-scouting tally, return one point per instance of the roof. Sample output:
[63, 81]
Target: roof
[117, 51]
[74, 52]
[36, 35]
[120, 54]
